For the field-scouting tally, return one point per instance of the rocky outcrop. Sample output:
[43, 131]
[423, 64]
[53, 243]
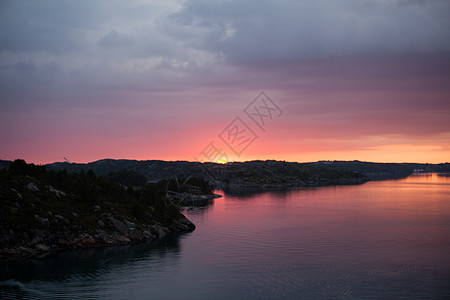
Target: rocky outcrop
[41, 212]
[110, 231]
[276, 174]
[188, 199]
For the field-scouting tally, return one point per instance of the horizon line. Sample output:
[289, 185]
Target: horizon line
[233, 161]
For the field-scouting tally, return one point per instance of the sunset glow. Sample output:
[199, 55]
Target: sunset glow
[354, 81]
[225, 149]
[222, 161]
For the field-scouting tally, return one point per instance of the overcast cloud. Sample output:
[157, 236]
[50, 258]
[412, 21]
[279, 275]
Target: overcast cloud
[247, 30]
[140, 37]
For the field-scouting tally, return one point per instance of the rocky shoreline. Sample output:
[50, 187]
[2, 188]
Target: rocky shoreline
[112, 232]
[187, 199]
[43, 212]
[291, 183]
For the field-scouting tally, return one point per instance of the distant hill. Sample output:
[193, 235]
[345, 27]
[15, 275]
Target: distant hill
[153, 170]
[445, 167]
[137, 173]
[257, 173]
[374, 171]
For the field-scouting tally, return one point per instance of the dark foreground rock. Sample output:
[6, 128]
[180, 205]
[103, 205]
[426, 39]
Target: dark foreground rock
[42, 212]
[115, 232]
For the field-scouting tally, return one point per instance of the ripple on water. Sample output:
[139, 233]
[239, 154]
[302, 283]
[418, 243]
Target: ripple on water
[377, 240]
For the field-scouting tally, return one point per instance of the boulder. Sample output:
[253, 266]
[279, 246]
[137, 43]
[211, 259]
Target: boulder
[43, 221]
[32, 187]
[59, 217]
[42, 247]
[118, 225]
[130, 225]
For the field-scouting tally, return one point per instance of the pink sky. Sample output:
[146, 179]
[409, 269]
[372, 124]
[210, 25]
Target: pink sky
[359, 84]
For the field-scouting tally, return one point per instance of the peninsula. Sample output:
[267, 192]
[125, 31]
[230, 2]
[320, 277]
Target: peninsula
[43, 211]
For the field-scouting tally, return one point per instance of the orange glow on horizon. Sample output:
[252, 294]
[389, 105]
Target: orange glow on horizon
[385, 153]
[278, 143]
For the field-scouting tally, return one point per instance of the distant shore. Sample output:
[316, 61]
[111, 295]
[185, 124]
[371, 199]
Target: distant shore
[66, 206]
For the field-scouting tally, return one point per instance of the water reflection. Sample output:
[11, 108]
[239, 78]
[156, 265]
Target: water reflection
[250, 192]
[87, 262]
[18, 277]
[196, 210]
[382, 239]
[445, 175]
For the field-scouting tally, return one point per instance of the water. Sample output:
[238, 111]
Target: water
[385, 239]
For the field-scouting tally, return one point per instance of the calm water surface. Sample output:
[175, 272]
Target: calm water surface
[385, 239]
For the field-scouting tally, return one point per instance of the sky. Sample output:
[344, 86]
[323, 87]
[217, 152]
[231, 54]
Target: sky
[225, 80]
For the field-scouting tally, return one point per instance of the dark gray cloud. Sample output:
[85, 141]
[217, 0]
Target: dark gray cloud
[174, 45]
[53, 26]
[115, 40]
[250, 29]
[25, 66]
[150, 38]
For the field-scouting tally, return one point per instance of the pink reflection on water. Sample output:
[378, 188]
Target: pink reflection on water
[392, 234]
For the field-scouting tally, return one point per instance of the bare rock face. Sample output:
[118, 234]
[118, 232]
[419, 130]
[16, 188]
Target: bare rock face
[42, 247]
[118, 225]
[58, 193]
[130, 225]
[32, 187]
[43, 221]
